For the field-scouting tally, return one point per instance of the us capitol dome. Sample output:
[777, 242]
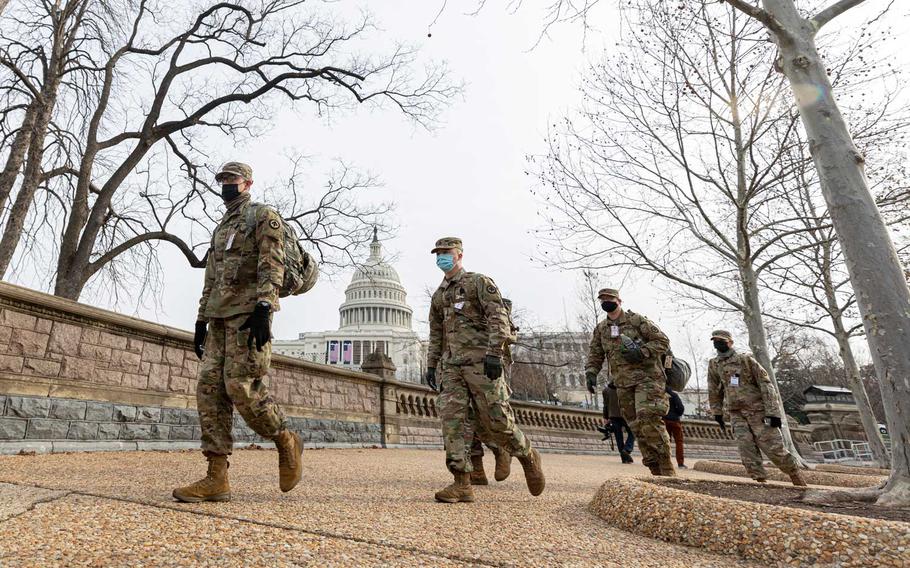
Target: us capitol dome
[374, 316]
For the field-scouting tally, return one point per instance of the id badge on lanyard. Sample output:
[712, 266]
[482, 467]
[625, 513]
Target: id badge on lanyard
[734, 380]
[614, 331]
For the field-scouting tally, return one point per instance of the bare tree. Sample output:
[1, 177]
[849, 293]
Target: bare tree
[672, 168]
[883, 297]
[220, 68]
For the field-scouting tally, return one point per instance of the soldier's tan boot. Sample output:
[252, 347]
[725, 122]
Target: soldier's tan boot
[503, 465]
[290, 461]
[459, 491]
[213, 487]
[665, 468]
[533, 472]
[798, 480]
[478, 476]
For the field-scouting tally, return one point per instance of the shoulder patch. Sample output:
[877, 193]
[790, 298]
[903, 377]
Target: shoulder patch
[273, 223]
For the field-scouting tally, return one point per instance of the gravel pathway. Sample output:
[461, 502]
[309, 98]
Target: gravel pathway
[354, 508]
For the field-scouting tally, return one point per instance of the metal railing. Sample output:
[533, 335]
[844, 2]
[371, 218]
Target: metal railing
[844, 450]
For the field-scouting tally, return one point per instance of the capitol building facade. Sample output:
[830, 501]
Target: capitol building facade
[374, 317]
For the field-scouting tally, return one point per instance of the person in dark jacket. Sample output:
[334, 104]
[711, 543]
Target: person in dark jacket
[673, 422]
[616, 424]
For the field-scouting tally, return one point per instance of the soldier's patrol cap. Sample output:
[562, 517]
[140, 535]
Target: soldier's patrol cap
[447, 243]
[235, 169]
[721, 334]
[608, 292]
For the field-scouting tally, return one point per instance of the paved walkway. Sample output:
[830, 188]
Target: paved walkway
[353, 508]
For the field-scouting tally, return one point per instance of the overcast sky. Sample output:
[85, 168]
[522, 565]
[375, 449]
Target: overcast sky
[464, 179]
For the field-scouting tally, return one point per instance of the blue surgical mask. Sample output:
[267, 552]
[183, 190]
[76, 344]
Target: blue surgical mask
[445, 262]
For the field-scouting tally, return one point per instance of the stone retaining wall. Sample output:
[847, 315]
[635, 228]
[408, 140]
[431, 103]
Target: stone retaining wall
[74, 376]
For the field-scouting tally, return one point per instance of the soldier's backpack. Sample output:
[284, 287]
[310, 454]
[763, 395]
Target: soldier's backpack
[300, 271]
[677, 372]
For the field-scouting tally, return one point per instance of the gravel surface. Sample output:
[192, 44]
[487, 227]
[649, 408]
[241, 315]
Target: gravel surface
[772, 535]
[811, 477]
[379, 500]
[15, 499]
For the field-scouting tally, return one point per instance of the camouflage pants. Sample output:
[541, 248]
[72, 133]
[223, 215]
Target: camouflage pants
[643, 407]
[755, 437]
[231, 376]
[469, 402]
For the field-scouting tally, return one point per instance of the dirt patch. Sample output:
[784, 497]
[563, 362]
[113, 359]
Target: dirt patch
[783, 496]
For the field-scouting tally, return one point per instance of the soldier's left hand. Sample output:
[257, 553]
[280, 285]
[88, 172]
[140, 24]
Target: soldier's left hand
[259, 326]
[633, 355]
[773, 421]
[492, 367]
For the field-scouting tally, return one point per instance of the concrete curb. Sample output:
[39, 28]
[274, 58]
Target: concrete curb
[753, 531]
[811, 477]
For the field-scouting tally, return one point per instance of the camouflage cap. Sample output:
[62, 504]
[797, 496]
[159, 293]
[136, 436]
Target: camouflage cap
[447, 243]
[235, 169]
[608, 292]
[721, 334]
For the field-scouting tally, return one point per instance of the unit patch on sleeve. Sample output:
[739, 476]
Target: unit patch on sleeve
[273, 223]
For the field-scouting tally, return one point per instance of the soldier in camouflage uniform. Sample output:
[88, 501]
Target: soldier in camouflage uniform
[739, 386]
[468, 331]
[634, 348]
[481, 436]
[243, 275]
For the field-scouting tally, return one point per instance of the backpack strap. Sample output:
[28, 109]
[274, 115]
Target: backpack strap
[251, 211]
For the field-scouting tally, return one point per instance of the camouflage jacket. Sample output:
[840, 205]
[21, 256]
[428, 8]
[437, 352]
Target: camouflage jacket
[243, 267]
[605, 346]
[738, 382]
[467, 321]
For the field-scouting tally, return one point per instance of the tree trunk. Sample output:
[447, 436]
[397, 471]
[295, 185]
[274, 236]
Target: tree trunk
[870, 424]
[877, 277]
[17, 153]
[758, 342]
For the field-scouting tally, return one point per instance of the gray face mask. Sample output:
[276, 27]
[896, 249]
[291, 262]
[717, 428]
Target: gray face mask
[230, 191]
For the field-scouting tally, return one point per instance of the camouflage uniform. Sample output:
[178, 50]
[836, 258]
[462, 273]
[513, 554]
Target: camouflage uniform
[641, 386]
[739, 386]
[243, 268]
[467, 322]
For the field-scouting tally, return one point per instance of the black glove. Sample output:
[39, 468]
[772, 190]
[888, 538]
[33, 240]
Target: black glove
[773, 421]
[719, 418]
[431, 378]
[259, 326]
[591, 379]
[633, 355]
[492, 367]
[199, 338]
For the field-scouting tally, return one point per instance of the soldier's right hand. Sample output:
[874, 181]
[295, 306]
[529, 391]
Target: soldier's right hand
[431, 378]
[591, 379]
[199, 338]
[719, 418]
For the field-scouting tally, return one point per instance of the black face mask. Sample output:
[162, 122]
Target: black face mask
[721, 345]
[230, 191]
[608, 306]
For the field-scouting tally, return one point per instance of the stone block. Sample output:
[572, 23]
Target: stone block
[153, 353]
[5, 333]
[181, 433]
[178, 384]
[124, 413]
[159, 432]
[112, 340]
[190, 417]
[135, 381]
[108, 377]
[65, 338]
[91, 335]
[170, 415]
[82, 431]
[136, 432]
[63, 409]
[17, 320]
[95, 352]
[174, 356]
[76, 368]
[148, 414]
[158, 376]
[99, 411]
[128, 361]
[44, 325]
[134, 345]
[108, 431]
[27, 407]
[11, 363]
[12, 428]
[29, 343]
[42, 367]
[45, 429]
